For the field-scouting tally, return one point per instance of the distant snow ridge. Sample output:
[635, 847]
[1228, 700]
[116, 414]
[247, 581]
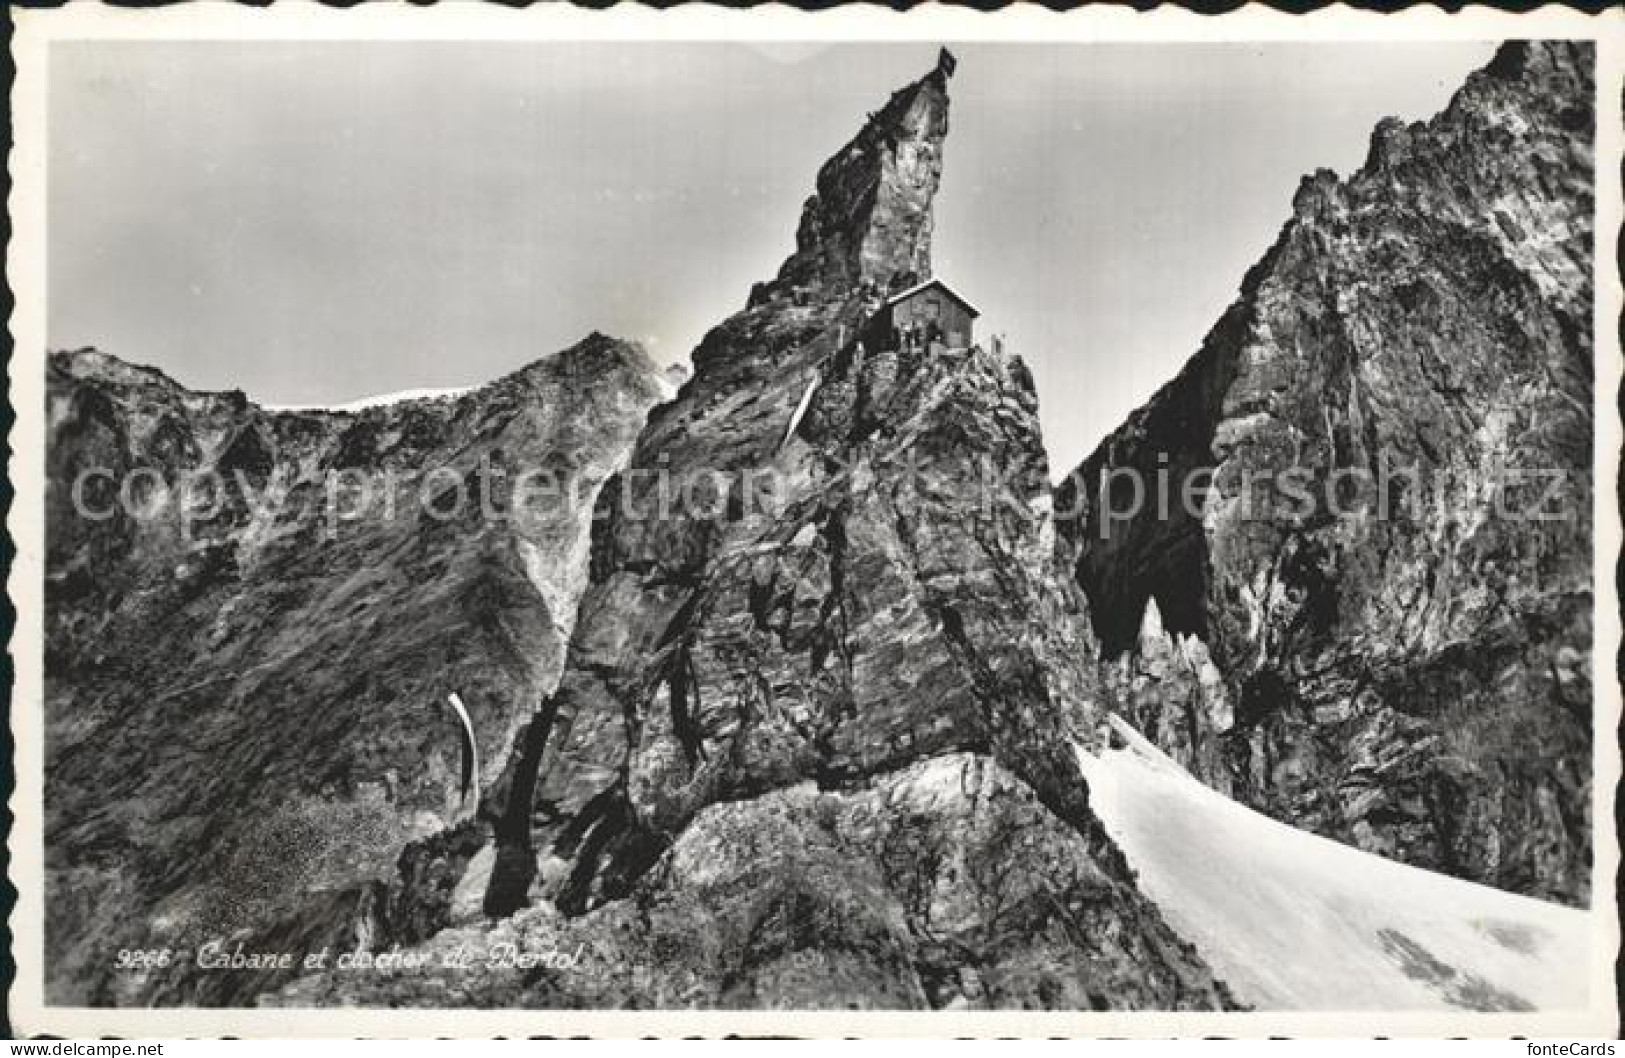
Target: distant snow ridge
[378, 401]
[1293, 921]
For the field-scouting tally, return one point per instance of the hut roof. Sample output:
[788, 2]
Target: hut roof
[903, 295]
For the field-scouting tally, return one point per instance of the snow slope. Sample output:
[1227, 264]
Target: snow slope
[1292, 921]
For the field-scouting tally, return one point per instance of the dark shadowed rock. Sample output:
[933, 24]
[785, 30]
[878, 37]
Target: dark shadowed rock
[1407, 671]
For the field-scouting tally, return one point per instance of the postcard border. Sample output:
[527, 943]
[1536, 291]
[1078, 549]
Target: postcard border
[36, 30]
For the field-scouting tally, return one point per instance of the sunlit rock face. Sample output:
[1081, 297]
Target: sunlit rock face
[1406, 667]
[246, 706]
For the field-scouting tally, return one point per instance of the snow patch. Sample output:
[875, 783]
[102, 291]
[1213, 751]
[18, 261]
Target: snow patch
[1293, 921]
[801, 410]
[471, 746]
[379, 401]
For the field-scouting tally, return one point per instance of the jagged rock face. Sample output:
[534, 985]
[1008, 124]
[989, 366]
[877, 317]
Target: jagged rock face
[814, 743]
[247, 718]
[1407, 669]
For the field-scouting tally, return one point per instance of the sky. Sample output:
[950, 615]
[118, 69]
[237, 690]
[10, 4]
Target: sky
[316, 222]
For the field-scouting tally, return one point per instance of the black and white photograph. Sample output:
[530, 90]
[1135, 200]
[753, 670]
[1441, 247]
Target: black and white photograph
[926, 522]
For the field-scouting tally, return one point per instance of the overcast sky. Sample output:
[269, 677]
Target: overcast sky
[317, 222]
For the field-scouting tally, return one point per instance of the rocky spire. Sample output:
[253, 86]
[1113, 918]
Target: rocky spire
[819, 696]
[869, 223]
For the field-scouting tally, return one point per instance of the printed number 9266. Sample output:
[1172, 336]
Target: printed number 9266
[142, 958]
